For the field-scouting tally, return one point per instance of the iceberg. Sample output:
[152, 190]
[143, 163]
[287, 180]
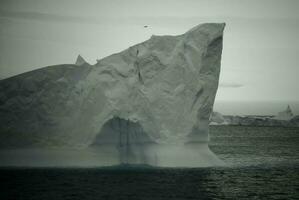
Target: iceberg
[217, 118]
[149, 104]
[285, 115]
[282, 119]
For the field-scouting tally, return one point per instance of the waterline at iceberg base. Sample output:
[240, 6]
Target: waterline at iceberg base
[197, 155]
[149, 104]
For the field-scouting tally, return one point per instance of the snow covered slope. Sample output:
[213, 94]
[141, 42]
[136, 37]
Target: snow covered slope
[149, 104]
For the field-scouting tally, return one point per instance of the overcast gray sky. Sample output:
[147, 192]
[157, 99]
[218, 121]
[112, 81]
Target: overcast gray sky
[261, 46]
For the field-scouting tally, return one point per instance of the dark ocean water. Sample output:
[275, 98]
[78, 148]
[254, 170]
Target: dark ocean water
[264, 165]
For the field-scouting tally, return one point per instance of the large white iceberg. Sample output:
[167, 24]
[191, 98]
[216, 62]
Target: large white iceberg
[149, 104]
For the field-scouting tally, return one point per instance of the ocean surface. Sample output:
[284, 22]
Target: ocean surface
[263, 164]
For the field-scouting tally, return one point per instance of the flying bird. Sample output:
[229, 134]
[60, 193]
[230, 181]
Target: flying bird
[145, 26]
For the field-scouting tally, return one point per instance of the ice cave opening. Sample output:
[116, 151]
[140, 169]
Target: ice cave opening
[126, 138]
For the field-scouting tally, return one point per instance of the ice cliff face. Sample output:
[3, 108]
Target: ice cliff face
[148, 104]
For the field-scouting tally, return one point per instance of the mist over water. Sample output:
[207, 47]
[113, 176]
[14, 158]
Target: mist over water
[264, 164]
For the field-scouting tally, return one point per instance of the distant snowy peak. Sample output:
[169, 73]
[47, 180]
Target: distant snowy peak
[285, 115]
[80, 61]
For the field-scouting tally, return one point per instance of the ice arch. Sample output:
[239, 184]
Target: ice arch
[126, 142]
[127, 139]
